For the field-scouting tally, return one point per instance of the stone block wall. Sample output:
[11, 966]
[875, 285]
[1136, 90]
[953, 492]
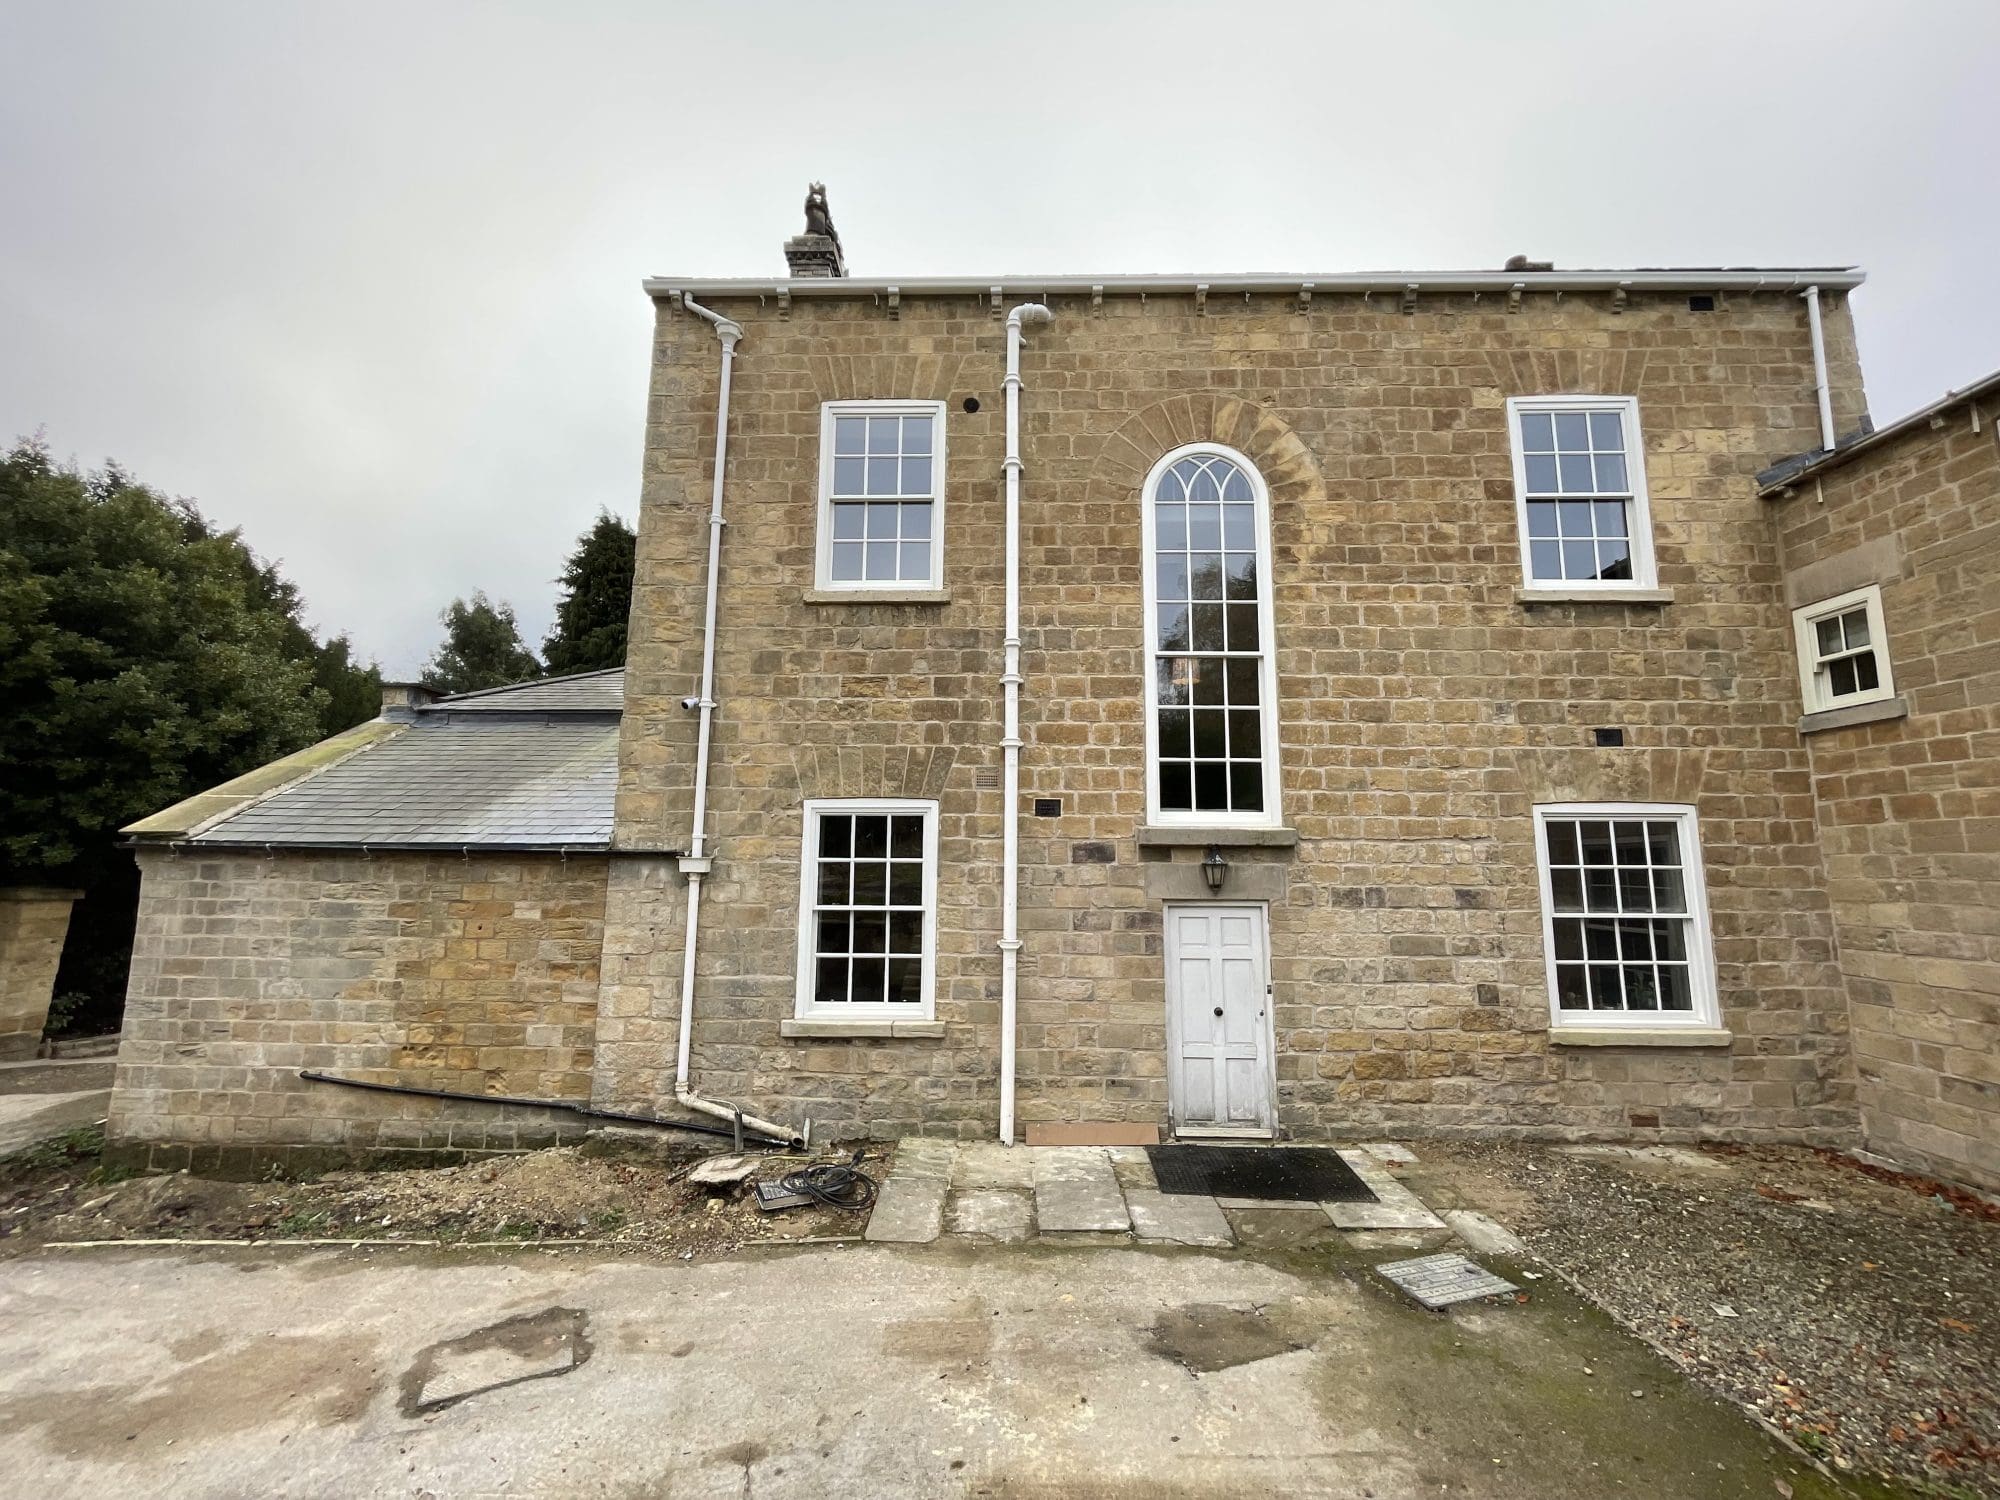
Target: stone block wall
[1423, 709]
[33, 923]
[474, 975]
[1909, 809]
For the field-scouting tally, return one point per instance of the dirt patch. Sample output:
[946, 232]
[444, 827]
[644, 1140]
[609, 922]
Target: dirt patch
[1854, 1308]
[1206, 1337]
[533, 1346]
[61, 1192]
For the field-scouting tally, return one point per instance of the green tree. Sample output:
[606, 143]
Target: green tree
[589, 633]
[353, 692]
[482, 648]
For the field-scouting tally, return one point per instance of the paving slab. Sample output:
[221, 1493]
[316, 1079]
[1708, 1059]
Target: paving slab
[1396, 1207]
[1486, 1236]
[1278, 1228]
[1076, 1191]
[992, 1214]
[1388, 1151]
[917, 1156]
[28, 1118]
[1177, 1218]
[1132, 1167]
[910, 1211]
[988, 1164]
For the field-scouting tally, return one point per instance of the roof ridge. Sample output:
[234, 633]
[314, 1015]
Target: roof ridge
[526, 682]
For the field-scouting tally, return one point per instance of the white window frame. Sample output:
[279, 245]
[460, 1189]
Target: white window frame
[1706, 1013]
[1638, 523]
[806, 1007]
[823, 547]
[1267, 686]
[1805, 624]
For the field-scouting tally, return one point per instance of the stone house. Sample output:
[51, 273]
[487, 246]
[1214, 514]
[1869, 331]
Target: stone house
[1249, 706]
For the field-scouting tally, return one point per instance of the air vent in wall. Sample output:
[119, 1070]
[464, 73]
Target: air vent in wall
[1048, 807]
[1609, 739]
[986, 778]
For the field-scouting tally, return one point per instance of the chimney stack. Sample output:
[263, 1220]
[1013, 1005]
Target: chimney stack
[816, 253]
[401, 700]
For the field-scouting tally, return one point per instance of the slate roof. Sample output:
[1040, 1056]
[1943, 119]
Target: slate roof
[544, 778]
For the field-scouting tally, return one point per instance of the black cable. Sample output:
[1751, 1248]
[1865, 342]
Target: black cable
[836, 1184]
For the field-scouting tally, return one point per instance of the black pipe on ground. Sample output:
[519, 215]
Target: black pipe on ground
[727, 1132]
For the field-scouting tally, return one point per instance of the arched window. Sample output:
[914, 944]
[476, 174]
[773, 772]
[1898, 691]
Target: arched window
[1211, 687]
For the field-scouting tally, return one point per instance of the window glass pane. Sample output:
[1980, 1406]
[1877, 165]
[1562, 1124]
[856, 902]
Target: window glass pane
[832, 882]
[1242, 627]
[1243, 681]
[1209, 734]
[917, 523]
[1176, 739]
[1635, 890]
[1572, 993]
[1642, 991]
[871, 835]
[906, 932]
[1170, 525]
[906, 883]
[880, 563]
[1174, 627]
[1176, 786]
[1246, 786]
[871, 883]
[1573, 519]
[1856, 626]
[1866, 678]
[884, 434]
[1208, 627]
[1541, 469]
[916, 476]
[906, 977]
[1538, 433]
[1600, 889]
[1202, 486]
[1206, 574]
[916, 562]
[1606, 993]
[836, 835]
[1560, 837]
[1572, 432]
[830, 981]
[1569, 938]
[847, 478]
[1675, 991]
[1246, 733]
[1843, 677]
[847, 521]
[1635, 940]
[1241, 568]
[871, 930]
[832, 935]
[906, 835]
[1205, 528]
[1628, 842]
[1610, 473]
[1236, 486]
[1669, 894]
[1579, 560]
[917, 434]
[1670, 941]
[1594, 838]
[868, 974]
[849, 434]
[1172, 576]
[1541, 518]
[1208, 680]
[1610, 517]
[1607, 432]
[1211, 786]
[1173, 483]
[1545, 561]
[881, 476]
[1566, 889]
[1614, 559]
[1174, 680]
[1239, 527]
[1828, 631]
[1663, 844]
[1600, 940]
[881, 521]
[1576, 473]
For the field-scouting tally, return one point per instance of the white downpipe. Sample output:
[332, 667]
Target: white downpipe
[1010, 741]
[695, 863]
[1826, 435]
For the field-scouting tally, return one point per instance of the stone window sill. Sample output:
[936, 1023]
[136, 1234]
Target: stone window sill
[1529, 598]
[1637, 1036]
[878, 596]
[1857, 713]
[1193, 836]
[837, 1026]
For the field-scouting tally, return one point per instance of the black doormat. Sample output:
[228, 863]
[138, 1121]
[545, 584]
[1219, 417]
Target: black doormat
[1300, 1173]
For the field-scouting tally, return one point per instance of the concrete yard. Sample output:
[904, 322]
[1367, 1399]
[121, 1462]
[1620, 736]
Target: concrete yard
[956, 1368]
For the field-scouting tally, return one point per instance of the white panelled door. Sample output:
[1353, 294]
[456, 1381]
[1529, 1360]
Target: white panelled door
[1218, 1026]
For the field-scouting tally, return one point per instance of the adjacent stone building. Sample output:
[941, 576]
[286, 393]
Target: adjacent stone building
[1410, 741]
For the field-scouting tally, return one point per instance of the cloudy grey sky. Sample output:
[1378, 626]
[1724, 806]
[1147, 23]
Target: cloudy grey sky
[364, 278]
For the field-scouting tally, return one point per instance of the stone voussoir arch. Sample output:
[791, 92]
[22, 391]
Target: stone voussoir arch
[1260, 435]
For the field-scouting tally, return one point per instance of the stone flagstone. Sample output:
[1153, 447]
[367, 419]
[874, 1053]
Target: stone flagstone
[1177, 1218]
[1396, 1207]
[1076, 1192]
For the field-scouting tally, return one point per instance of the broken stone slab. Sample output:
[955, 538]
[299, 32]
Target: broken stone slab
[1076, 1191]
[1177, 1218]
[1485, 1236]
[992, 1214]
[988, 1165]
[909, 1211]
[723, 1171]
[919, 1157]
[1388, 1151]
[1395, 1206]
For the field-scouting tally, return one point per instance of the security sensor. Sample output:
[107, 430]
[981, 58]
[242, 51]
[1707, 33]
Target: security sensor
[691, 703]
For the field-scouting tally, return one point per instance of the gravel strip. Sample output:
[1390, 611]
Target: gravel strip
[1857, 1310]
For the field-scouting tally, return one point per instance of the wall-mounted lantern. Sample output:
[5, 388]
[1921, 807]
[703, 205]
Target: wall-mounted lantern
[1214, 870]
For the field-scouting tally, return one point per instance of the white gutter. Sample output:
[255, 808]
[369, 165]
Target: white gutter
[1787, 279]
[1010, 741]
[695, 863]
[1826, 433]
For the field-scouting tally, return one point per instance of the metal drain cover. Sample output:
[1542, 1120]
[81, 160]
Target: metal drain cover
[1440, 1280]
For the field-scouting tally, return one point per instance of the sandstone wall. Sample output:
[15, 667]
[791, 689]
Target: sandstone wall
[1424, 709]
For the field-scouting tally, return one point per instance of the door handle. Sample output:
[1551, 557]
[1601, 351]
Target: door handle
[1218, 1010]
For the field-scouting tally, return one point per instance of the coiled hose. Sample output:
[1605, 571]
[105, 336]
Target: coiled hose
[836, 1184]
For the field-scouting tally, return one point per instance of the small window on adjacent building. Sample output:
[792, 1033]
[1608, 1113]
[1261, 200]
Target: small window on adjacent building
[1580, 483]
[881, 483]
[1624, 915]
[1843, 651]
[868, 910]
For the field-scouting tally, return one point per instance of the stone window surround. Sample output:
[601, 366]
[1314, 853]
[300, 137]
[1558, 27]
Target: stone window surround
[1805, 622]
[825, 588]
[811, 1018]
[1643, 586]
[1699, 1026]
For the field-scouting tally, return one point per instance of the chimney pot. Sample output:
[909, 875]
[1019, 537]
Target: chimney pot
[401, 700]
